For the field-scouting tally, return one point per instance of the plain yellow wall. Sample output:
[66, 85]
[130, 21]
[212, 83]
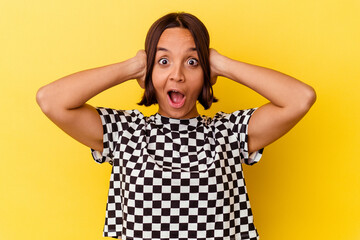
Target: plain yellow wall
[305, 187]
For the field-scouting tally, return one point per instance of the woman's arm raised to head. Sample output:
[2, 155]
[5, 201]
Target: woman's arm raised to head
[289, 98]
[64, 101]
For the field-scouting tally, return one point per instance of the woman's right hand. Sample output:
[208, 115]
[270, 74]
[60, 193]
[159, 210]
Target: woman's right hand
[140, 58]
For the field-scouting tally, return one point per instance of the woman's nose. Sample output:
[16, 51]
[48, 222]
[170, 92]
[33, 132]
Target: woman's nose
[177, 73]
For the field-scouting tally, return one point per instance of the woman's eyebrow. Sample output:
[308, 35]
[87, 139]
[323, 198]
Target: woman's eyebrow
[166, 50]
[161, 49]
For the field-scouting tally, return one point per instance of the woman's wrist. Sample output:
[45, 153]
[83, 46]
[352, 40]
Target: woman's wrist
[228, 68]
[138, 64]
[129, 69]
[218, 63]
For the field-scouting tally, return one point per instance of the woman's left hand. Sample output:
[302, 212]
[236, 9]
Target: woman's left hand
[215, 65]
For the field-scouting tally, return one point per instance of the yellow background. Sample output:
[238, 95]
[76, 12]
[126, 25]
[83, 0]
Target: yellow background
[305, 187]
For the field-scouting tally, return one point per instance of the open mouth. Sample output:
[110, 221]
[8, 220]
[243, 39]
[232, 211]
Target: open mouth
[176, 98]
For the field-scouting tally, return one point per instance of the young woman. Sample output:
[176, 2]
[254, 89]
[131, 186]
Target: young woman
[177, 175]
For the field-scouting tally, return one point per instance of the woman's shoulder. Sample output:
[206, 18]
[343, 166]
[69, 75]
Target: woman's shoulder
[113, 111]
[120, 117]
[237, 113]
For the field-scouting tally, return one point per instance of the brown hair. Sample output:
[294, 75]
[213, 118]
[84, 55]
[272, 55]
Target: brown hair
[201, 39]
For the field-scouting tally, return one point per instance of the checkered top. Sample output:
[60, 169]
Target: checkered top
[177, 178]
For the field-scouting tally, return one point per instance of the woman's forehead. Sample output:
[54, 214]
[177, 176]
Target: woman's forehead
[176, 38]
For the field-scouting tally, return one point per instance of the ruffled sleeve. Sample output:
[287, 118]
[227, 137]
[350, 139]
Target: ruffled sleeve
[239, 123]
[114, 122]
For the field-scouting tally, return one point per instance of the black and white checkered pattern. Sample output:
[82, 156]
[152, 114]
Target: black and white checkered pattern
[177, 178]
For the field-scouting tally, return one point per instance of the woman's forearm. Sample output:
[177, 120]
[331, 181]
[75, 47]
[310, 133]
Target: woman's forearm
[75, 90]
[280, 89]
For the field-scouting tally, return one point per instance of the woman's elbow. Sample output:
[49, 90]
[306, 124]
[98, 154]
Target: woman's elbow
[307, 99]
[310, 97]
[42, 99]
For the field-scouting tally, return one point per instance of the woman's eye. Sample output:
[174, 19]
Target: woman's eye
[163, 61]
[193, 62]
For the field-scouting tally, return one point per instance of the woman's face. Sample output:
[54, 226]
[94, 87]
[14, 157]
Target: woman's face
[177, 75]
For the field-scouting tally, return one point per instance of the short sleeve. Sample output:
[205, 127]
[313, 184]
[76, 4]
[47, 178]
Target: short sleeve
[114, 122]
[239, 123]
